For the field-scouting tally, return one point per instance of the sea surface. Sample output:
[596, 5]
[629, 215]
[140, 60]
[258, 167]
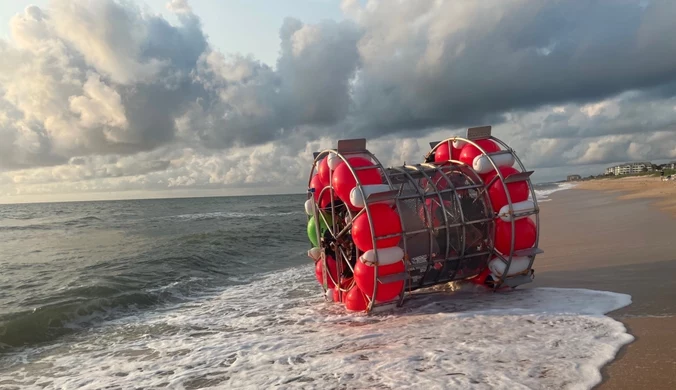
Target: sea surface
[219, 293]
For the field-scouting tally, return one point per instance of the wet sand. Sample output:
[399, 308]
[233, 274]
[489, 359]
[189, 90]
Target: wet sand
[594, 240]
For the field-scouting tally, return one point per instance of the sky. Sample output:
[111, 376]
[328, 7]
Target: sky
[105, 99]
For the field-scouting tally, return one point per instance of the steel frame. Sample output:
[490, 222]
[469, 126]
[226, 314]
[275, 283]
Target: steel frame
[398, 178]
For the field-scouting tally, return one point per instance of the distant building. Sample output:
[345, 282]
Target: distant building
[670, 165]
[629, 168]
[573, 177]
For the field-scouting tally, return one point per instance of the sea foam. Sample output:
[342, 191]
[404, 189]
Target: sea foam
[277, 332]
[542, 193]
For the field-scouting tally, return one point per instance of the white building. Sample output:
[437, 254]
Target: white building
[629, 168]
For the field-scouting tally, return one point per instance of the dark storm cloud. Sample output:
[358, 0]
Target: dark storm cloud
[468, 62]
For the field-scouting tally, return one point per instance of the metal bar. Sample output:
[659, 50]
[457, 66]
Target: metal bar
[393, 278]
[501, 152]
[518, 280]
[519, 214]
[382, 196]
[349, 224]
[446, 191]
[402, 294]
[521, 176]
[364, 168]
[528, 252]
[470, 187]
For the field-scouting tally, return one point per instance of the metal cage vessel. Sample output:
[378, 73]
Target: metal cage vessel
[448, 223]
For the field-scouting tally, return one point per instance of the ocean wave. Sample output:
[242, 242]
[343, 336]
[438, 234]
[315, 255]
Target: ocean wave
[277, 331]
[227, 215]
[74, 309]
[547, 189]
[48, 224]
[19, 228]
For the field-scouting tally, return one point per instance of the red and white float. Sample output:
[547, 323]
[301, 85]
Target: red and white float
[467, 213]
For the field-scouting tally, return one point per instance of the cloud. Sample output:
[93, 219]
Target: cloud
[179, 6]
[442, 63]
[252, 104]
[106, 96]
[103, 77]
[87, 78]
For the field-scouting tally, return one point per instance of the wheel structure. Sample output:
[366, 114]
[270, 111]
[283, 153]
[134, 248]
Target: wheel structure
[379, 233]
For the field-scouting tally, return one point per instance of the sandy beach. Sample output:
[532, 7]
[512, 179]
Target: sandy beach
[615, 235]
[637, 187]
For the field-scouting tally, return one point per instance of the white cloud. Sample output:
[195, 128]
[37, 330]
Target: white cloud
[101, 96]
[100, 105]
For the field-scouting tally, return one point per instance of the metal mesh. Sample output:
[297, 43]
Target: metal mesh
[447, 229]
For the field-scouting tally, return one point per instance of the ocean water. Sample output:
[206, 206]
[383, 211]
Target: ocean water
[219, 293]
[66, 266]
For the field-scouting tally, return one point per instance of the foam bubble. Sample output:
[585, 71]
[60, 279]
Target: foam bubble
[278, 331]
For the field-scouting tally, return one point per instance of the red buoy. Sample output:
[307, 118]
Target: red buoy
[355, 300]
[525, 234]
[470, 151]
[324, 172]
[442, 154]
[333, 271]
[481, 278]
[518, 191]
[385, 222]
[364, 276]
[343, 181]
[344, 284]
[317, 184]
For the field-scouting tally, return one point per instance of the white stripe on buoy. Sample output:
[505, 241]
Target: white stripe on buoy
[334, 160]
[308, 207]
[518, 207]
[482, 164]
[358, 201]
[519, 264]
[314, 253]
[458, 143]
[385, 256]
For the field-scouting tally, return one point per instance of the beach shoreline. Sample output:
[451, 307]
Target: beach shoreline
[622, 243]
[662, 193]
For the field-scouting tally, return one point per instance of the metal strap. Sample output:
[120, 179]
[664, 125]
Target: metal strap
[521, 176]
